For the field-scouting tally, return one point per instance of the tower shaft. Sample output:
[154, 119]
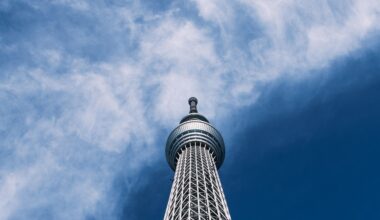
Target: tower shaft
[196, 191]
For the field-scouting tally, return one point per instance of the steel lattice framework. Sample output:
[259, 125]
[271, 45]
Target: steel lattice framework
[195, 150]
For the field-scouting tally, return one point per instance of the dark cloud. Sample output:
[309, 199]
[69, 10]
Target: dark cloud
[318, 161]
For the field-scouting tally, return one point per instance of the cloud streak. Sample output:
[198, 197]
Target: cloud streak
[87, 86]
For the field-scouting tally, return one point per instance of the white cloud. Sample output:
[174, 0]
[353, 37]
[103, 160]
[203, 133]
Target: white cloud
[220, 12]
[308, 35]
[181, 56]
[75, 131]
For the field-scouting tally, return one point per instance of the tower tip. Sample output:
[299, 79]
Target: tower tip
[193, 104]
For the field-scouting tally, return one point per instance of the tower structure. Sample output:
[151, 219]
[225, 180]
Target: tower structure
[195, 150]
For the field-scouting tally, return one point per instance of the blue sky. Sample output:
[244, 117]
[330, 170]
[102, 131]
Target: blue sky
[89, 91]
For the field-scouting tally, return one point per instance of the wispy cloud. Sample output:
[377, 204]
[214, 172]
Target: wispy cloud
[86, 86]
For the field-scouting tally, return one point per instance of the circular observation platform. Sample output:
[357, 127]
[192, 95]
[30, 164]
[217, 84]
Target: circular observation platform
[194, 128]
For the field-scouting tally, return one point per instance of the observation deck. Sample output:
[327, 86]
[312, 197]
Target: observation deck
[194, 128]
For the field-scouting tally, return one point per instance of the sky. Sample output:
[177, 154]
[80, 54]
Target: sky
[90, 90]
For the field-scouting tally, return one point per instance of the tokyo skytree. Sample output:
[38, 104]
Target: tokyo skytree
[195, 150]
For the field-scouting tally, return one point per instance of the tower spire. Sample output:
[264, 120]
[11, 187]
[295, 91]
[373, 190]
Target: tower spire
[193, 105]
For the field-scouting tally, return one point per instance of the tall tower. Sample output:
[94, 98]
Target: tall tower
[195, 150]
